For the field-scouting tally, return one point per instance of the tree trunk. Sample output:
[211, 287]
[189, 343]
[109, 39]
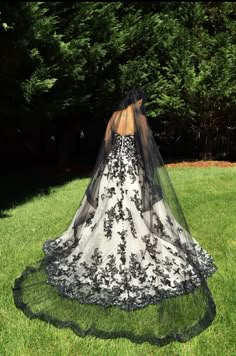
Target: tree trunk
[207, 147]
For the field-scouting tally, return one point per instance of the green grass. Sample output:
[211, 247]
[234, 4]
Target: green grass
[208, 199]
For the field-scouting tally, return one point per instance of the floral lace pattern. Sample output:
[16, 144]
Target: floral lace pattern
[117, 260]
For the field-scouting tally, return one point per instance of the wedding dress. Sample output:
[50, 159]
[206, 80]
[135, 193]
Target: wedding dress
[127, 266]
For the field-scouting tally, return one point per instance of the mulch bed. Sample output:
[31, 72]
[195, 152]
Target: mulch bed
[202, 164]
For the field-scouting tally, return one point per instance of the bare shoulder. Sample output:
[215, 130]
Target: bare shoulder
[114, 114]
[144, 120]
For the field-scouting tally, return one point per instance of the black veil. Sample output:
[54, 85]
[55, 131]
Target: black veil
[173, 316]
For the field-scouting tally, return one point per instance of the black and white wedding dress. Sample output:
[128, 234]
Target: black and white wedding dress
[117, 261]
[120, 269]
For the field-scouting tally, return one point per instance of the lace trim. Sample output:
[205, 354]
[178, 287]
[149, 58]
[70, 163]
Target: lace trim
[188, 334]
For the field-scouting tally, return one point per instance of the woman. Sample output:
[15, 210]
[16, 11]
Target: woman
[127, 266]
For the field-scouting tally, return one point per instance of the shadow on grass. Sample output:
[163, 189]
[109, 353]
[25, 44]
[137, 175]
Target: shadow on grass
[19, 186]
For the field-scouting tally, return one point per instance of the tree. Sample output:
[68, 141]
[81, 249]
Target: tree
[79, 58]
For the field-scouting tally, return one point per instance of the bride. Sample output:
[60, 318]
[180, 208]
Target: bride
[127, 266]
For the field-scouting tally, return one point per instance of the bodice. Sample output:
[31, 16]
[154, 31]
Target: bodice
[123, 144]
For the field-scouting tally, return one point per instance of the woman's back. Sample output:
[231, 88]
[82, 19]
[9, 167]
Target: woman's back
[123, 123]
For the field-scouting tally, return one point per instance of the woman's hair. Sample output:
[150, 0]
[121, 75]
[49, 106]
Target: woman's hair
[132, 97]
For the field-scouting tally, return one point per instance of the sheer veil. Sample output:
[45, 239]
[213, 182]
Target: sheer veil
[179, 316]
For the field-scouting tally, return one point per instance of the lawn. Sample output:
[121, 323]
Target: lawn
[208, 198]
